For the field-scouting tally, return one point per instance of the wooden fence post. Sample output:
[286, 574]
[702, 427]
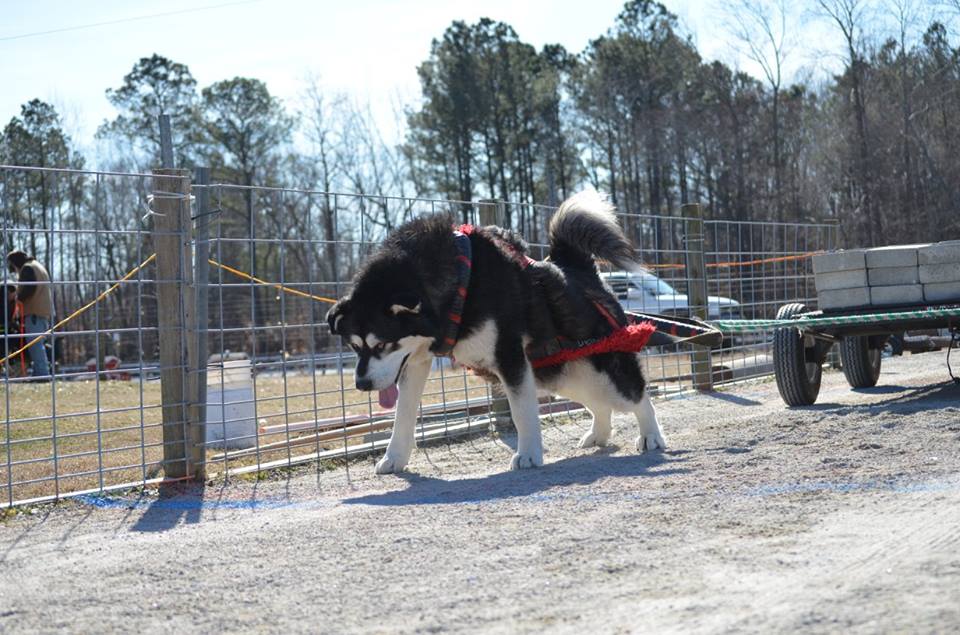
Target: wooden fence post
[492, 212]
[700, 358]
[176, 308]
[166, 142]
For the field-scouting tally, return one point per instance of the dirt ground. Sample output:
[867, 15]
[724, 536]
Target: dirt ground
[842, 516]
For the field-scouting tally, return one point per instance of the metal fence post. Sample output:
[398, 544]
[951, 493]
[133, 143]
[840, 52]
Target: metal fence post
[493, 212]
[697, 291]
[171, 239]
[198, 329]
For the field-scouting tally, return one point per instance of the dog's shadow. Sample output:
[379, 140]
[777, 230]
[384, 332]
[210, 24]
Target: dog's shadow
[578, 470]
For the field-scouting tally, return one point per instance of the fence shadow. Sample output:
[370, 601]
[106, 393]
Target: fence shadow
[734, 399]
[177, 503]
[579, 470]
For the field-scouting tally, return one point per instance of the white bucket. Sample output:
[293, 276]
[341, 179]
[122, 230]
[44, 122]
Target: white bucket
[231, 420]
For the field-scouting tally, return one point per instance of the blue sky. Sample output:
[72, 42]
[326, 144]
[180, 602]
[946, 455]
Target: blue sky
[368, 48]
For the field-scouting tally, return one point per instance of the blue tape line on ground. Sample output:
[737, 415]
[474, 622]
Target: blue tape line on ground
[191, 503]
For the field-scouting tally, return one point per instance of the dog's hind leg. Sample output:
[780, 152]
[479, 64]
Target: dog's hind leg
[525, 410]
[651, 436]
[600, 431]
[402, 441]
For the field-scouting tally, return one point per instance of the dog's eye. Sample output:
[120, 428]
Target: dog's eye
[379, 348]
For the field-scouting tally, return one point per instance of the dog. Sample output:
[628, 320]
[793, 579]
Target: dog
[475, 294]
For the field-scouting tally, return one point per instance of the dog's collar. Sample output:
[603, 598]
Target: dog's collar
[461, 236]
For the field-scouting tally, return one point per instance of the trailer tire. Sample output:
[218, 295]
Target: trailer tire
[861, 363]
[798, 368]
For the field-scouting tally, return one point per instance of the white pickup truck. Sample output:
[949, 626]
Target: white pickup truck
[642, 291]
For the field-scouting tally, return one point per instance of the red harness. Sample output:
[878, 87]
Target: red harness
[624, 338]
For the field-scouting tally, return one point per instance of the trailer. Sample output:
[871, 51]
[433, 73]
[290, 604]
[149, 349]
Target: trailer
[802, 339]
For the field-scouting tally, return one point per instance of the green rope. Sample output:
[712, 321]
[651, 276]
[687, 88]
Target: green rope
[753, 326]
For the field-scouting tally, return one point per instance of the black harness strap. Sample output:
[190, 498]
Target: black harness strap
[455, 316]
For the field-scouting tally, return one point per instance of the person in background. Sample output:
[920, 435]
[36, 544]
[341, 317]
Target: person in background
[11, 329]
[37, 302]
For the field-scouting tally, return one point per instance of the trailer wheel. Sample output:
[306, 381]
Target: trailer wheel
[797, 367]
[861, 362]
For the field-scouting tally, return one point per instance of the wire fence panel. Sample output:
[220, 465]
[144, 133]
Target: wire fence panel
[761, 267]
[81, 407]
[262, 383]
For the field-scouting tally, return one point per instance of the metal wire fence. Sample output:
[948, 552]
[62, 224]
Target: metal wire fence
[214, 355]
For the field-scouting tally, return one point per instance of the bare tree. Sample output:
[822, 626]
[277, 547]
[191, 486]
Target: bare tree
[371, 167]
[953, 4]
[905, 13]
[323, 121]
[848, 16]
[760, 27]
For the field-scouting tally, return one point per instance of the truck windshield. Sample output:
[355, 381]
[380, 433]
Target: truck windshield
[656, 286]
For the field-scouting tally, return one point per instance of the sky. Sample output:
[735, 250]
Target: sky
[367, 48]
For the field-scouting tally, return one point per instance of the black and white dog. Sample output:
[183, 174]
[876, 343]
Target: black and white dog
[474, 294]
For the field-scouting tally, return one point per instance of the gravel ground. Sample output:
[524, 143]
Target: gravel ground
[841, 516]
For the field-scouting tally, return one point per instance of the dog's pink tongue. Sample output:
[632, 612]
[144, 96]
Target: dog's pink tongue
[388, 397]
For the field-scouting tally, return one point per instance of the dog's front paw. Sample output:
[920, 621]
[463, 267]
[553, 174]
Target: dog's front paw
[390, 465]
[524, 461]
[651, 442]
[592, 439]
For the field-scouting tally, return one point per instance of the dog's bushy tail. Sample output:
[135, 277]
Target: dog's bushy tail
[585, 227]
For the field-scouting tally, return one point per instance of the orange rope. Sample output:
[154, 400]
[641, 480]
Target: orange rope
[275, 285]
[741, 263]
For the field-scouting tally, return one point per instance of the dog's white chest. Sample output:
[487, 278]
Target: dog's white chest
[477, 350]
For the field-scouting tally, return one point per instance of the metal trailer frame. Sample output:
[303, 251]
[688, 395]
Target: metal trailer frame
[800, 352]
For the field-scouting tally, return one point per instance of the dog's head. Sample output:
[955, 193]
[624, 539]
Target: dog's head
[384, 330]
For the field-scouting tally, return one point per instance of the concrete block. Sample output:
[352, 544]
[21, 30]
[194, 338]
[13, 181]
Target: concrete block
[843, 298]
[947, 272]
[939, 253]
[841, 279]
[899, 294]
[843, 260]
[942, 292]
[890, 276]
[894, 256]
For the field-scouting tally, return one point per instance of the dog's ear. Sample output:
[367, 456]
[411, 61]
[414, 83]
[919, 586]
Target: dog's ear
[405, 303]
[336, 313]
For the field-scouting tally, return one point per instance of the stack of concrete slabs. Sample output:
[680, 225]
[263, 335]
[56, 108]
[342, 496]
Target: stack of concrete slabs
[841, 279]
[894, 275]
[939, 271]
[897, 275]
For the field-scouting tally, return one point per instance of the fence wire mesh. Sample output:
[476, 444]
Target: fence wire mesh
[266, 384]
[82, 407]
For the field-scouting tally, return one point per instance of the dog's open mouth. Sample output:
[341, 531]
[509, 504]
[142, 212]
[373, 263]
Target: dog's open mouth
[388, 396]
